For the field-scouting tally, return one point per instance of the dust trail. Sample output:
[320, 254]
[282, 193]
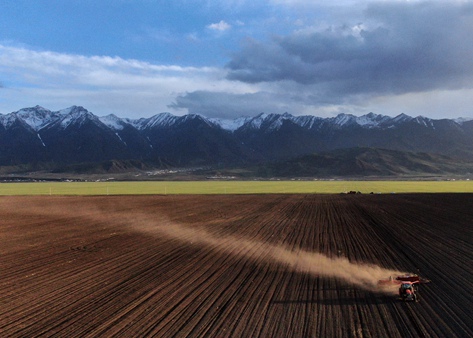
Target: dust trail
[365, 276]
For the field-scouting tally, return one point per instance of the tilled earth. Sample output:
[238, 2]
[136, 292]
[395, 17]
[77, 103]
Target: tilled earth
[195, 266]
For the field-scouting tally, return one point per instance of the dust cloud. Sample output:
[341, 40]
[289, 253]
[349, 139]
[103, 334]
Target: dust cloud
[365, 276]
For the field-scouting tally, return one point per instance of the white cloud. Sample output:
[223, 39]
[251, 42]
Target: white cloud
[220, 26]
[100, 83]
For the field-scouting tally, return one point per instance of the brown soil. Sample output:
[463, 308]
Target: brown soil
[234, 266]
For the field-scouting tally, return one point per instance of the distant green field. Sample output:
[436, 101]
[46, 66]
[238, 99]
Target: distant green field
[233, 187]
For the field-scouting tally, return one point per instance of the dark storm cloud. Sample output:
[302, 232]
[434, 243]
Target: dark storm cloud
[396, 48]
[228, 105]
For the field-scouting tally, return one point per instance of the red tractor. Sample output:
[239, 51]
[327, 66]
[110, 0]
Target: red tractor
[407, 286]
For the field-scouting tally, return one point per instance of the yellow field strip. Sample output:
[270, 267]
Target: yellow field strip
[232, 187]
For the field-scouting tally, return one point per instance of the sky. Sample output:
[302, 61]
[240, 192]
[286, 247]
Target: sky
[231, 58]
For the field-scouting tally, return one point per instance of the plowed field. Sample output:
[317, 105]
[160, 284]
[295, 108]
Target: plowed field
[234, 266]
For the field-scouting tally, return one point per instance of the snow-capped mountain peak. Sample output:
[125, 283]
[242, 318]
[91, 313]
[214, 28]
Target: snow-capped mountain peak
[372, 120]
[75, 135]
[73, 110]
[257, 121]
[76, 115]
[266, 121]
[344, 119]
[38, 118]
[159, 120]
[113, 122]
[401, 118]
[270, 122]
[35, 117]
[230, 125]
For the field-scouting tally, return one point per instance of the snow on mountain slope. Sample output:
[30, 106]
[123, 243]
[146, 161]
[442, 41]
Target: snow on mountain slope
[75, 134]
[268, 122]
[275, 121]
[7, 120]
[230, 125]
[159, 120]
[76, 115]
[308, 122]
[372, 120]
[344, 119]
[462, 120]
[113, 122]
[38, 117]
[401, 118]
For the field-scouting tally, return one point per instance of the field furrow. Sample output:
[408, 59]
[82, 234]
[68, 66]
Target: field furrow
[234, 266]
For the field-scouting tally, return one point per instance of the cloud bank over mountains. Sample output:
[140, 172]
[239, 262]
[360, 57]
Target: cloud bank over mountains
[408, 48]
[398, 49]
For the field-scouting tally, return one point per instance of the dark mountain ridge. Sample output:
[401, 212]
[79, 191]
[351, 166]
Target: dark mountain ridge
[357, 162]
[75, 135]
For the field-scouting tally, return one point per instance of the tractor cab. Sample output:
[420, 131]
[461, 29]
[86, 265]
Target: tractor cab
[406, 286]
[407, 291]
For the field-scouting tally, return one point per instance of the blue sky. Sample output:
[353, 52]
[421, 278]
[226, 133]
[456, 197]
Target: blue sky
[232, 58]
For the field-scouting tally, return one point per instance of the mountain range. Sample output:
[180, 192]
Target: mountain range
[75, 135]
